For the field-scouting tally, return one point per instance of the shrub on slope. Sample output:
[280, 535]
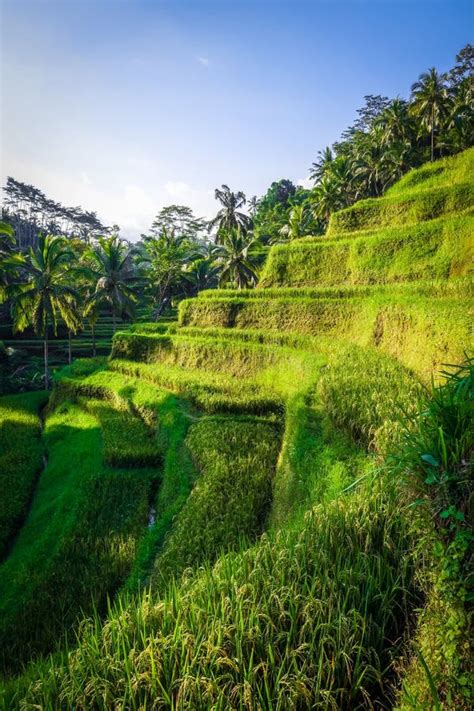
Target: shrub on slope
[437, 455]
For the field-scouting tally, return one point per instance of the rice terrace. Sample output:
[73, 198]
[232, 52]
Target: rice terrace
[236, 450]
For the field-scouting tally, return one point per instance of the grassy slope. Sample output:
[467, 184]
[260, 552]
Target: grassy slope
[21, 459]
[313, 614]
[79, 539]
[237, 459]
[437, 249]
[422, 333]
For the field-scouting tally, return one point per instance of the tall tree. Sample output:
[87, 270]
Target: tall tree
[178, 220]
[41, 291]
[111, 270]
[321, 164]
[31, 212]
[430, 103]
[229, 216]
[237, 259]
[395, 123]
[163, 259]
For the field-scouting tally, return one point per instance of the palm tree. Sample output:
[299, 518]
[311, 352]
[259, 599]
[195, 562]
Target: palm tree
[395, 122]
[114, 280]
[164, 259]
[41, 292]
[430, 103]
[320, 166]
[7, 237]
[253, 205]
[327, 197]
[369, 165]
[237, 259]
[460, 123]
[398, 158]
[201, 274]
[229, 217]
[297, 225]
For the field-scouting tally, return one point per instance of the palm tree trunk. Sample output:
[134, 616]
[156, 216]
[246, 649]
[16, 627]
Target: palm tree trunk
[69, 347]
[93, 340]
[46, 371]
[114, 326]
[432, 134]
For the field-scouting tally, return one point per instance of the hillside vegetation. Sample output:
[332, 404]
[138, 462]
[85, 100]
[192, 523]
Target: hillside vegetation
[263, 506]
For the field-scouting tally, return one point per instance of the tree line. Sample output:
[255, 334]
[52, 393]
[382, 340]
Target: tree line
[30, 212]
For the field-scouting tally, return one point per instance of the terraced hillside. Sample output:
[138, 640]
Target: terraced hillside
[230, 479]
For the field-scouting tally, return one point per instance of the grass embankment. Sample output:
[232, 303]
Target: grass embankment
[445, 172]
[170, 417]
[421, 333]
[403, 208]
[438, 249]
[80, 538]
[455, 288]
[312, 615]
[21, 459]
[304, 618]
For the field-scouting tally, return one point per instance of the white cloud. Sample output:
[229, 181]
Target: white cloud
[305, 183]
[132, 205]
[205, 61]
[177, 188]
[201, 201]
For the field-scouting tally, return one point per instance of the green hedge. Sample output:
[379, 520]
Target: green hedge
[438, 249]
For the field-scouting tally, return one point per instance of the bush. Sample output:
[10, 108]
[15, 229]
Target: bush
[437, 456]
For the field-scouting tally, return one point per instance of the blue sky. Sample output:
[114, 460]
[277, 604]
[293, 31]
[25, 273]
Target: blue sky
[124, 106]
